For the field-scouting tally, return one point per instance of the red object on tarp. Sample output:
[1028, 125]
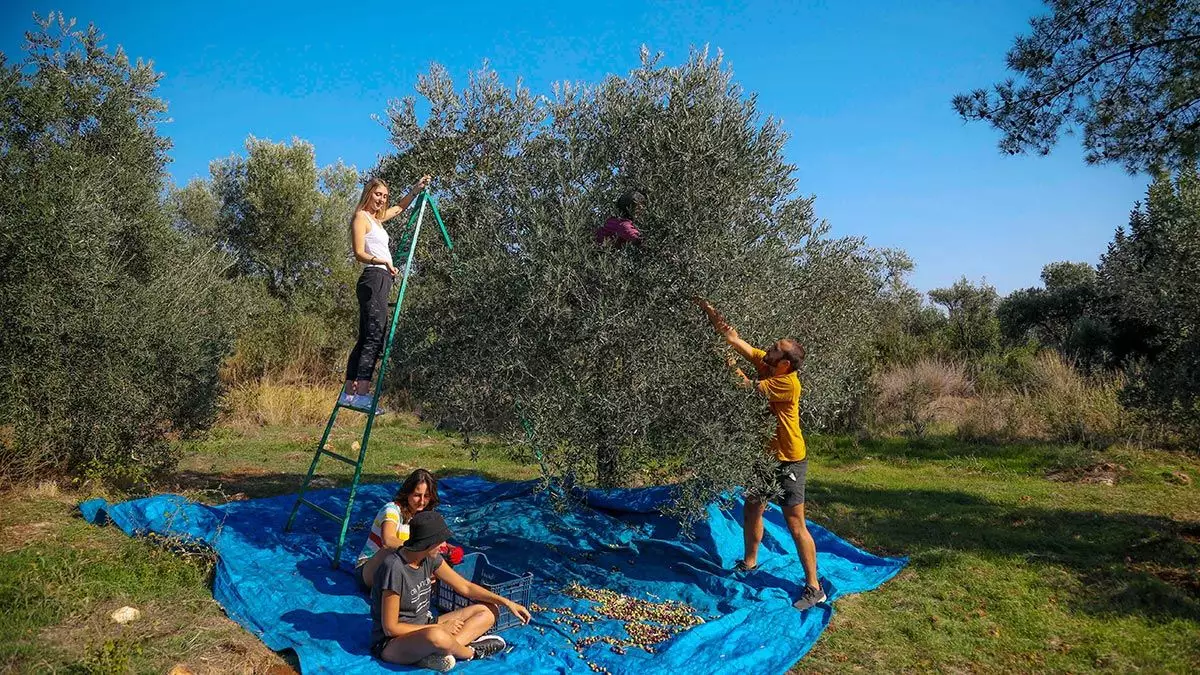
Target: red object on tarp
[452, 553]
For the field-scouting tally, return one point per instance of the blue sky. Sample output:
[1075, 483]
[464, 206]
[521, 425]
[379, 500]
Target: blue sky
[863, 88]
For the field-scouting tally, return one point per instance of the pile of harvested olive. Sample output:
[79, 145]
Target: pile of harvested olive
[647, 623]
[618, 606]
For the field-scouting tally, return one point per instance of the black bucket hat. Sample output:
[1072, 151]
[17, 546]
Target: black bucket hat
[425, 530]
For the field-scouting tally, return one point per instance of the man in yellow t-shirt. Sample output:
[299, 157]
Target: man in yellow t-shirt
[778, 382]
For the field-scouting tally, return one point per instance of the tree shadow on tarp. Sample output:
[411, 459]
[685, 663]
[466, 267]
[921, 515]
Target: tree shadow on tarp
[705, 545]
[328, 580]
[702, 584]
[351, 632]
[1130, 564]
[262, 520]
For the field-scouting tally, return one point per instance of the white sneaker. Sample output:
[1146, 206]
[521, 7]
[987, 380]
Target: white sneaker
[439, 662]
[363, 401]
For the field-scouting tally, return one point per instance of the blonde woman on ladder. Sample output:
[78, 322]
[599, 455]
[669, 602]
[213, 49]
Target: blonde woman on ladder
[371, 248]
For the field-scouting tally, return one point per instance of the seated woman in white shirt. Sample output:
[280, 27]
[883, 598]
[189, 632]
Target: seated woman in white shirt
[390, 529]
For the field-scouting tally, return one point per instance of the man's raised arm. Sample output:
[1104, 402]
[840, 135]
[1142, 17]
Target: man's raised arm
[722, 326]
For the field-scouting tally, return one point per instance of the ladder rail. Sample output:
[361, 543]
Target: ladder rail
[445, 233]
[319, 509]
[340, 458]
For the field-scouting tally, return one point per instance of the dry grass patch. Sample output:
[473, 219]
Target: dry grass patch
[269, 402]
[1103, 473]
[1058, 404]
[16, 537]
[911, 398]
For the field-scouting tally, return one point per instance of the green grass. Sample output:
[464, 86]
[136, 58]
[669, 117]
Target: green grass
[270, 461]
[60, 578]
[1009, 571]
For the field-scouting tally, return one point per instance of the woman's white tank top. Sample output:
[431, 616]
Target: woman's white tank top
[376, 243]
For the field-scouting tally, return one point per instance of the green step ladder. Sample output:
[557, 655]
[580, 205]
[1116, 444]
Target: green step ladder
[412, 233]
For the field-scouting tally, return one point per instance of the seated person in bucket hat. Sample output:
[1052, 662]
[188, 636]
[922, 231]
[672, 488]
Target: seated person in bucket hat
[403, 629]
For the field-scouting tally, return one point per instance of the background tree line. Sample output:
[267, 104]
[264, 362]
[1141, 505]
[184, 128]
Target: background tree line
[1133, 317]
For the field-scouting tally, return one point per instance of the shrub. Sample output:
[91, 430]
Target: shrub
[913, 397]
[996, 417]
[1042, 397]
[289, 346]
[1007, 370]
[1075, 408]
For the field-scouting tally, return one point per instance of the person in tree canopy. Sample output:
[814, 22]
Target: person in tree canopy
[778, 381]
[631, 207]
[403, 629]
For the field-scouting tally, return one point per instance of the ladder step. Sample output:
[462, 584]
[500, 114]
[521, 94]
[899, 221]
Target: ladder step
[344, 458]
[355, 408]
[328, 514]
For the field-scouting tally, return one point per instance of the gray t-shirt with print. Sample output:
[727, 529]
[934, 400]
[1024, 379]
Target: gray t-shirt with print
[412, 585]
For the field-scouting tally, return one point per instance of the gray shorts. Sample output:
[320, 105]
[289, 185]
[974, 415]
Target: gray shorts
[789, 478]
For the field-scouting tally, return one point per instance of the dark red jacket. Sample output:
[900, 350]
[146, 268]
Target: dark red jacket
[621, 229]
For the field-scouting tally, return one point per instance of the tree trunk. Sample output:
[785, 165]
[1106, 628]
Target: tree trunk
[608, 469]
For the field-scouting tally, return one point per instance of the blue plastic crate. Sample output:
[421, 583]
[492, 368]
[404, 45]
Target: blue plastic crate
[476, 569]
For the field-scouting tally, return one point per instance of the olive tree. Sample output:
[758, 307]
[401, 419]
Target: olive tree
[284, 222]
[591, 354]
[114, 323]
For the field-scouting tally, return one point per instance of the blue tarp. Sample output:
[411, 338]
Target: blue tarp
[280, 586]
